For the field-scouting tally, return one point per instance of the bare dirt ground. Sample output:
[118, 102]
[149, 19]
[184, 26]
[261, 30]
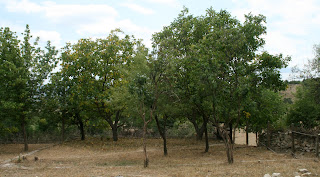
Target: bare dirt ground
[94, 157]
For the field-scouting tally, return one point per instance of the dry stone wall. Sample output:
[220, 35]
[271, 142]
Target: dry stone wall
[282, 141]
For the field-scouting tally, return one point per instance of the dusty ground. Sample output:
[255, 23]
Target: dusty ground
[125, 158]
[12, 150]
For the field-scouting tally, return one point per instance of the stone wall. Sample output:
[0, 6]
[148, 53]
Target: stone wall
[281, 141]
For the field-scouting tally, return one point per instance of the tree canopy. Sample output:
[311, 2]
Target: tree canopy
[206, 70]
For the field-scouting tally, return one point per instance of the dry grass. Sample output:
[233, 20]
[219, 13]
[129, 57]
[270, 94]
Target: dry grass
[186, 158]
[11, 150]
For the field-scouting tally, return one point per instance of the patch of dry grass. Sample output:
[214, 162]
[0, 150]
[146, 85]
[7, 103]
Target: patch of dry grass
[9, 151]
[186, 158]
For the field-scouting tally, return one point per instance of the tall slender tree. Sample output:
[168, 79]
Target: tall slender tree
[26, 68]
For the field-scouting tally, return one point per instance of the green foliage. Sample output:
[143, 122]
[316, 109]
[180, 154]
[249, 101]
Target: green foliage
[215, 65]
[23, 70]
[201, 69]
[267, 106]
[89, 83]
[305, 111]
[288, 100]
[12, 73]
[179, 129]
[140, 89]
[294, 82]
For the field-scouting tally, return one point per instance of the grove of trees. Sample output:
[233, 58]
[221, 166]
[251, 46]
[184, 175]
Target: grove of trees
[206, 70]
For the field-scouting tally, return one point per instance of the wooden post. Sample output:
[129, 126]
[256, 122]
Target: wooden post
[247, 133]
[292, 137]
[268, 135]
[317, 145]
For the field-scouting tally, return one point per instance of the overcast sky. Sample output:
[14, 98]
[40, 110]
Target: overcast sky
[293, 26]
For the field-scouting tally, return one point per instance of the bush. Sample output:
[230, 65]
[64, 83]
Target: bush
[179, 129]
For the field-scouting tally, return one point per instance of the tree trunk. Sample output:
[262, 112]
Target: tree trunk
[230, 131]
[63, 126]
[25, 139]
[196, 128]
[205, 123]
[145, 126]
[80, 125]
[146, 160]
[83, 137]
[114, 126]
[229, 148]
[207, 139]
[199, 131]
[247, 133]
[115, 133]
[219, 137]
[162, 132]
[165, 150]
[227, 139]
[228, 143]
[199, 135]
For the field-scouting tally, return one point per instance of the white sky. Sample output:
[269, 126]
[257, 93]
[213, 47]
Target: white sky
[292, 25]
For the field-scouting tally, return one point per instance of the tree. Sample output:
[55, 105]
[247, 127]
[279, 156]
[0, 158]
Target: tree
[167, 113]
[94, 68]
[77, 61]
[163, 77]
[263, 107]
[11, 69]
[56, 102]
[264, 103]
[306, 109]
[174, 45]
[145, 81]
[141, 97]
[112, 54]
[216, 61]
[25, 68]
[233, 65]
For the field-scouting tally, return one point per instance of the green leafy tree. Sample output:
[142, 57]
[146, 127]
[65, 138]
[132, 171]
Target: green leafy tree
[25, 68]
[145, 90]
[113, 54]
[229, 61]
[76, 62]
[56, 102]
[11, 69]
[263, 102]
[175, 45]
[93, 70]
[216, 61]
[263, 107]
[306, 109]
